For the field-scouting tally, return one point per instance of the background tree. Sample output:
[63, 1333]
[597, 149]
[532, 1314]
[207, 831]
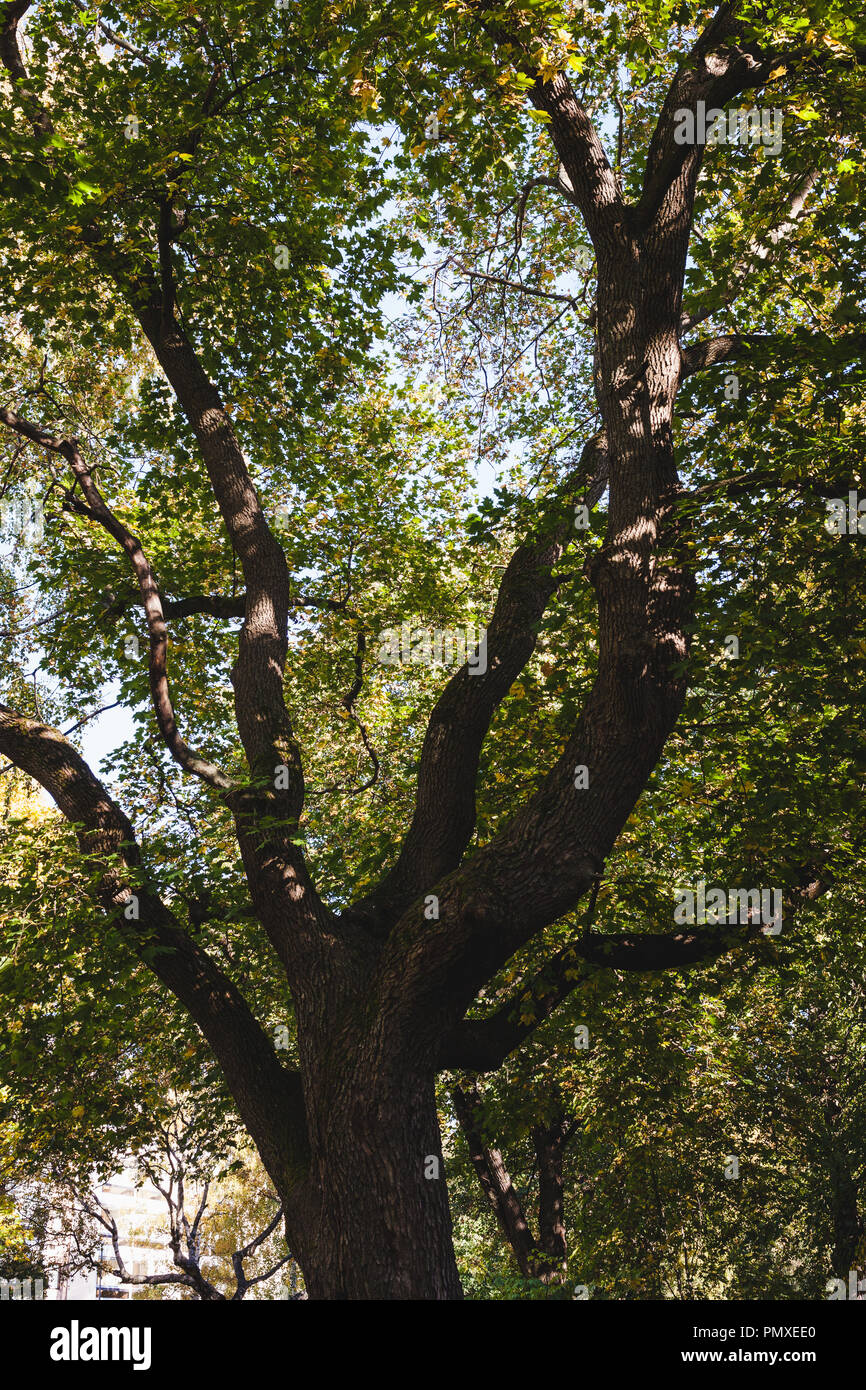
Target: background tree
[223, 1227]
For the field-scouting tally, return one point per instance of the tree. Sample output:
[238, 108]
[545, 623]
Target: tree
[541, 1257]
[715, 1129]
[200, 1215]
[252, 127]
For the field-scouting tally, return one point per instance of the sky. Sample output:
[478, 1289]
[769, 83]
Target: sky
[107, 732]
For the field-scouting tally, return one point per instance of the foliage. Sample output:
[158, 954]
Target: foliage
[403, 331]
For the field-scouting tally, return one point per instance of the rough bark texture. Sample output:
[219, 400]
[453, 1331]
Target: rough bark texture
[542, 1257]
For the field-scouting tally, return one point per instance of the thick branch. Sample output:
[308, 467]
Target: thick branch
[709, 352]
[593, 182]
[717, 70]
[733, 347]
[444, 816]
[257, 676]
[483, 1044]
[260, 1085]
[282, 891]
[670, 951]
[10, 57]
[590, 182]
[10, 53]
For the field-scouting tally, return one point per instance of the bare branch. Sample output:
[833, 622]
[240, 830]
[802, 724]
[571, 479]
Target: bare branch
[113, 37]
[100, 512]
[519, 288]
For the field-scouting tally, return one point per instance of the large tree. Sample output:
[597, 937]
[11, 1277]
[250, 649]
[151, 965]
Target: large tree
[177, 184]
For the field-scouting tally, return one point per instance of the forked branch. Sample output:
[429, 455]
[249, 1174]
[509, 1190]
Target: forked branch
[98, 510]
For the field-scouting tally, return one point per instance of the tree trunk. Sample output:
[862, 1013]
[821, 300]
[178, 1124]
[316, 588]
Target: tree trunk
[378, 1222]
[847, 1222]
[546, 1257]
[551, 1263]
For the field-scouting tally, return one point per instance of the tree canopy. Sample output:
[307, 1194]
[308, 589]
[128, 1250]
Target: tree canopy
[440, 428]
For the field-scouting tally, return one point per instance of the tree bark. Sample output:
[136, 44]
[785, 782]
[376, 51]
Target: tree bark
[848, 1227]
[543, 1257]
[382, 1227]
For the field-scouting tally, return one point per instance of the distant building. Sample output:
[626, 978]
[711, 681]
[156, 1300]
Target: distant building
[142, 1220]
